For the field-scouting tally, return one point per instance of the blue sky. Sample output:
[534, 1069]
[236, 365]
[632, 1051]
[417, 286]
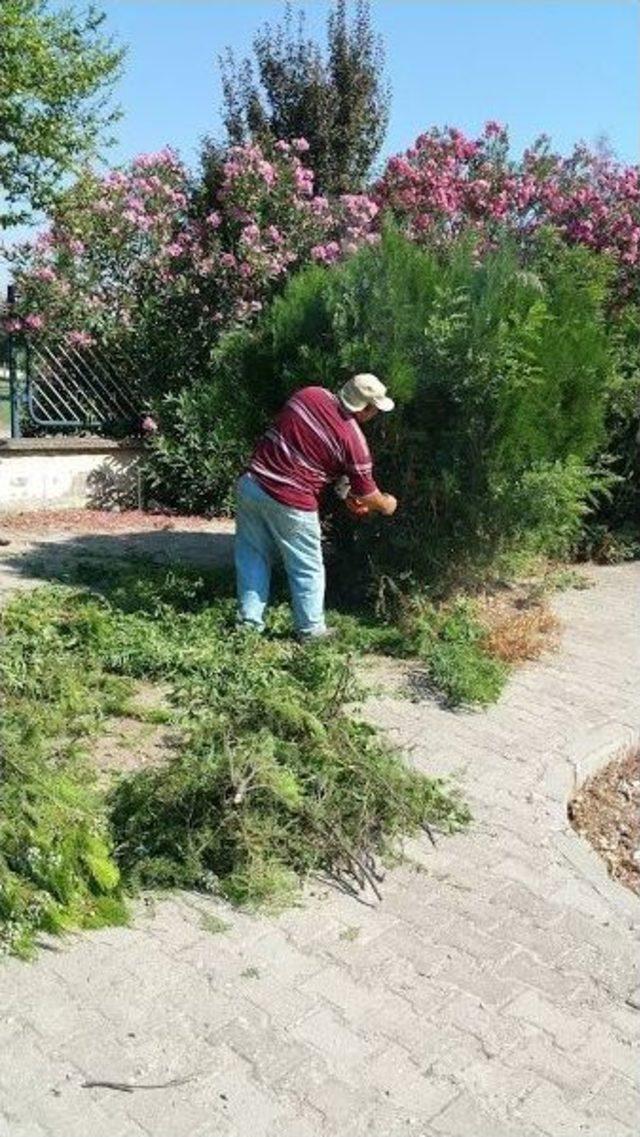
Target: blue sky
[566, 67]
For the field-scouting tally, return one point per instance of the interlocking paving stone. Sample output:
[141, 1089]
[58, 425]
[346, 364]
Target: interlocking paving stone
[485, 996]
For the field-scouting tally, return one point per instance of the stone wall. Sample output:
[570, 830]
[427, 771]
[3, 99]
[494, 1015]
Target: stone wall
[58, 473]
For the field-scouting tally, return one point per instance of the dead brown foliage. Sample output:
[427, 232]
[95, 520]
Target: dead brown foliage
[606, 810]
[517, 636]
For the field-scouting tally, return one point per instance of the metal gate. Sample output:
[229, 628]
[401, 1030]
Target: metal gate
[57, 385]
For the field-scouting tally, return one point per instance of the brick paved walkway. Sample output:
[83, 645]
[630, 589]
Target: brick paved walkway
[486, 996]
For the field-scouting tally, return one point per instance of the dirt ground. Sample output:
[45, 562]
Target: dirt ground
[606, 811]
[83, 521]
[136, 740]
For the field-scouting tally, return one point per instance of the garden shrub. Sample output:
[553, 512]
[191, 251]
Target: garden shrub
[196, 458]
[209, 428]
[613, 533]
[501, 377]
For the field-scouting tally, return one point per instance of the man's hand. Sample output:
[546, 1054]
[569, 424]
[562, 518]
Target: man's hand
[389, 506]
[356, 506]
[384, 503]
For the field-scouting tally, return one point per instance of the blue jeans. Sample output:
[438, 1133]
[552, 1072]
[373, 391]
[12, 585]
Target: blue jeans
[266, 529]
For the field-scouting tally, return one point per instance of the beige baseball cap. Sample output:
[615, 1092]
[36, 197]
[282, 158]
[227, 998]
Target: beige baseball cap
[363, 391]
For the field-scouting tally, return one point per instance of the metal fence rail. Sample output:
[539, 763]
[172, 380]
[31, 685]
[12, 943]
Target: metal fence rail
[79, 386]
[60, 383]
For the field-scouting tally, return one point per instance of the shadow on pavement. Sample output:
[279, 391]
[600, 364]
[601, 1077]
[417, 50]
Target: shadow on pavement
[56, 558]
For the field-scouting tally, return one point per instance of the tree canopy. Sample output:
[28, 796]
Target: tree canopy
[336, 98]
[57, 71]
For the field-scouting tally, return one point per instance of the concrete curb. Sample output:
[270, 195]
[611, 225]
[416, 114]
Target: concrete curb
[591, 754]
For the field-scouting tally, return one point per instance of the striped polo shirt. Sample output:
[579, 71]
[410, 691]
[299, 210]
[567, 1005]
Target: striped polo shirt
[313, 441]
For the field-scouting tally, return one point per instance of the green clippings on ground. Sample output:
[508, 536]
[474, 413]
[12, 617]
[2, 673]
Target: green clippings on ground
[350, 934]
[451, 642]
[272, 781]
[213, 924]
[56, 857]
[360, 633]
[447, 638]
[250, 973]
[151, 716]
[558, 580]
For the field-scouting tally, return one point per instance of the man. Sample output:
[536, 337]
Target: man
[316, 439]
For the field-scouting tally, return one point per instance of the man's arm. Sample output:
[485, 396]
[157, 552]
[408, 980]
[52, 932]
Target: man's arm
[364, 495]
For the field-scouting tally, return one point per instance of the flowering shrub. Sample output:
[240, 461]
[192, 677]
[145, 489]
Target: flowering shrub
[447, 183]
[108, 245]
[128, 256]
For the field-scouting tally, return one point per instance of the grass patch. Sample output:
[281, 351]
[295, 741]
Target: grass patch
[272, 781]
[467, 643]
[5, 407]
[213, 924]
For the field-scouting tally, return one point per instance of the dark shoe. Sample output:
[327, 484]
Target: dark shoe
[247, 626]
[316, 637]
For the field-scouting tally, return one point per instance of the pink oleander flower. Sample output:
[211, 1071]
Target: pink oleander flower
[250, 234]
[214, 219]
[282, 147]
[300, 144]
[267, 172]
[303, 180]
[33, 322]
[148, 425]
[44, 240]
[227, 260]
[326, 254]
[79, 339]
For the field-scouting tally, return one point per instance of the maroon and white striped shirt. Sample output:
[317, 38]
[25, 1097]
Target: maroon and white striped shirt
[314, 440]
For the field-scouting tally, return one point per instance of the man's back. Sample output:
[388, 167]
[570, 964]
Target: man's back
[314, 440]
